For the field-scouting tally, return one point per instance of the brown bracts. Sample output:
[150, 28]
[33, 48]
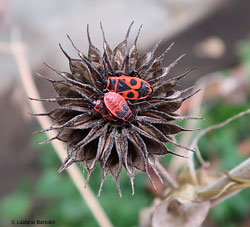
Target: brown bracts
[131, 134]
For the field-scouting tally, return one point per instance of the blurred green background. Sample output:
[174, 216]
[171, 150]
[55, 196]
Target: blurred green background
[52, 196]
[31, 187]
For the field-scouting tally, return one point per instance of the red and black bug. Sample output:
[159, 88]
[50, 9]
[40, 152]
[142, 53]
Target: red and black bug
[114, 106]
[128, 87]
[117, 105]
[102, 109]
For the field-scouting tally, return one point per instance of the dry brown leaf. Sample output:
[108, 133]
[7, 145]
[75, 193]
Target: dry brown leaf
[171, 213]
[206, 175]
[146, 216]
[185, 194]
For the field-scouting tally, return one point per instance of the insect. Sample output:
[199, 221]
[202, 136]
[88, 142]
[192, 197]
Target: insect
[100, 107]
[116, 106]
[128, 87]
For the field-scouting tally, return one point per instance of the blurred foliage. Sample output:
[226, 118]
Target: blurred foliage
[17, 204]
[222, 146]
[244, 51]
[53, 196]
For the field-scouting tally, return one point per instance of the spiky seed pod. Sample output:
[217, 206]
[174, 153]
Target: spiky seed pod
[90, 138]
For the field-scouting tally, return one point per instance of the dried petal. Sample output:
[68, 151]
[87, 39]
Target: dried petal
[94, 55]
[120, 52]
[171, 213]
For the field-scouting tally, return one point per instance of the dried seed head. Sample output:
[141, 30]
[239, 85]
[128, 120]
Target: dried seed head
[92, 138]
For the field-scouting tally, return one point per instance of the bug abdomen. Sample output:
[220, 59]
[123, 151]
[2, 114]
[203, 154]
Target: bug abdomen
[117, 105]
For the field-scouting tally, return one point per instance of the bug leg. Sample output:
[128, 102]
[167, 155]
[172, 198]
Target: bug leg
[133, 73]
[117, 73]
[99, 89]
[111, 73]
[99, 82]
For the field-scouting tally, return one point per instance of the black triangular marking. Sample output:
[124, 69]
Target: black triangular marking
[122, 86]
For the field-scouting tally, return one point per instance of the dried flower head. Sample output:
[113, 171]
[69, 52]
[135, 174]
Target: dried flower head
[133, 143]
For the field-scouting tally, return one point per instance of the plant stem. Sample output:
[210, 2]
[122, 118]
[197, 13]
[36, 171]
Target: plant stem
[241, 171]
[167, 177]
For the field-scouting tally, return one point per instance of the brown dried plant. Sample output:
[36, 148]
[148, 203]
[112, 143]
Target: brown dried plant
[91, 138]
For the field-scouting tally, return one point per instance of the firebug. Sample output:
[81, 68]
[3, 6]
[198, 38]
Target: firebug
[128, 87]
[117, 105]
[102, 109]
[114, 106]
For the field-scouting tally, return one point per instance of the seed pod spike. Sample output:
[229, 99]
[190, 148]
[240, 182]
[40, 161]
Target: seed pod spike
[64, 52]
[107, 51]
[167, 69]
[97, 129]
[88, 35]
[189, 96]
[48, 79]
[167, 50]
[138, 33]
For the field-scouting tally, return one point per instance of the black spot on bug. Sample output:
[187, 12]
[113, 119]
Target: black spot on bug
[143, 90]
[111, 86]
[122, 113]
[133, 82]
[125, 107]
[130, 95]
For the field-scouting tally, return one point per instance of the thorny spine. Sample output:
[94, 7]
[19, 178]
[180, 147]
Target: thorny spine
[91, 138]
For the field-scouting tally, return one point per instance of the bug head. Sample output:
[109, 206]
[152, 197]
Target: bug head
[98, 105]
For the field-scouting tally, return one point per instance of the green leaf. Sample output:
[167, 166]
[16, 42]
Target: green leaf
[54, 185]
[15, 205]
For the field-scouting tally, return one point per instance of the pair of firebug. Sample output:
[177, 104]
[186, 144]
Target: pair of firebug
[114, 104]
